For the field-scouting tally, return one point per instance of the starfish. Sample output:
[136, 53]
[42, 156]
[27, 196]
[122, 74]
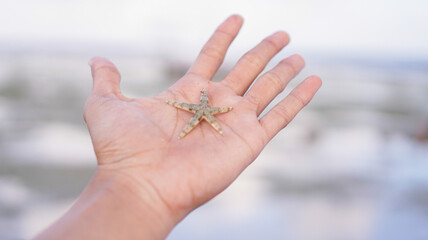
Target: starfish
[202, 111]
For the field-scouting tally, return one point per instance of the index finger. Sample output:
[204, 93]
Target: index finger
[212, 54]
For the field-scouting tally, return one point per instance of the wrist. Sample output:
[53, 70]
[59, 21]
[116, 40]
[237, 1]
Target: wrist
[139, 207]
[113, 207]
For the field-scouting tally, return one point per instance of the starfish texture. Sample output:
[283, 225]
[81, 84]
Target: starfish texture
[202, 111]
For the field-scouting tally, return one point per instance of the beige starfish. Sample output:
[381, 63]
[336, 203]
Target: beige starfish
[202, 111]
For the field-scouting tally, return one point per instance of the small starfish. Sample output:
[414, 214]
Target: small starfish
[202, 111]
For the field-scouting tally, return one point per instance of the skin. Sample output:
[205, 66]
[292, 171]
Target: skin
[147, 180]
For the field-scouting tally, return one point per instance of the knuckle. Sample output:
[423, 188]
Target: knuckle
[105, 70]
[254, 59]
[270, 43]
[107, 67]
[212, 52]
[85, 117]
[253, 100]
[223, 33]
[94, 105]
[289, 68]
[282, 113]
[87, 109]
[274, 81]
[299, 100]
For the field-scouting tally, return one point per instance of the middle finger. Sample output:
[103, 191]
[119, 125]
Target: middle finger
[253, 62]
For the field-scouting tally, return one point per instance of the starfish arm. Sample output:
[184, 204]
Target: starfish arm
[192, 123]
[204, 96]
[185, 106]
[215, 110]
[211, 120]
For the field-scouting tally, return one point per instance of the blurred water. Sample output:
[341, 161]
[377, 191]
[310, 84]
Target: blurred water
[353, 165]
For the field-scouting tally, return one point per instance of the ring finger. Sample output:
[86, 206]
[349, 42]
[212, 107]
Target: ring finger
[273, 82]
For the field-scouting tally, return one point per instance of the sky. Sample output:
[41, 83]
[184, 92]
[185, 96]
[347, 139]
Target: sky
[376, 27]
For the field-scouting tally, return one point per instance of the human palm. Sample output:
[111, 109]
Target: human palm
[137, 138]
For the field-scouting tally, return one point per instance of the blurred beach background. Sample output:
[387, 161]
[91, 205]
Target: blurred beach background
[352, 165]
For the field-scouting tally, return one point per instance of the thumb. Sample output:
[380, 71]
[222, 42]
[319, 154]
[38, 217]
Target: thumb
[106, 77]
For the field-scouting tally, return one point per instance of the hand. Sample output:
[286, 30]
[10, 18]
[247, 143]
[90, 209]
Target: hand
[136, 139]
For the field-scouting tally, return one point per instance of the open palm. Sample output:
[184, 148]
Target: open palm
[137, 138]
